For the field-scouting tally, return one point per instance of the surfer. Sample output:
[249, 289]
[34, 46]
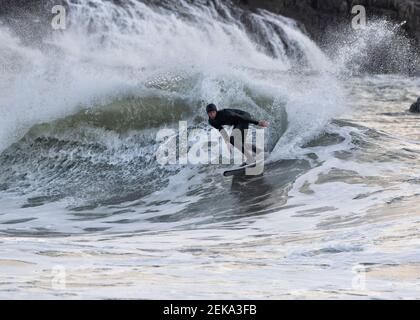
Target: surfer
[240, 121]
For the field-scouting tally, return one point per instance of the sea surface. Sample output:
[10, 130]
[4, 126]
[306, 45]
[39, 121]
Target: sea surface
[87, 211]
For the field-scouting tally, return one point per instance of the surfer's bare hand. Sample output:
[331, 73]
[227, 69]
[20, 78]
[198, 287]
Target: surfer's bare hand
[263, 123]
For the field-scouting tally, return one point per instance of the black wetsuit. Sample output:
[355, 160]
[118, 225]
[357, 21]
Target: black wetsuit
[238, 119]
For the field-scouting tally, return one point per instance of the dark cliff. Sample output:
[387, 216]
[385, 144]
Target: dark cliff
[320, 16]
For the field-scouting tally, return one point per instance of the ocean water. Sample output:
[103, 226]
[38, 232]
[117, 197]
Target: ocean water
[86, 211]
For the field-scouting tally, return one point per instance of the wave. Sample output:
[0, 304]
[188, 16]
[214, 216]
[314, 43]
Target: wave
[80, 108]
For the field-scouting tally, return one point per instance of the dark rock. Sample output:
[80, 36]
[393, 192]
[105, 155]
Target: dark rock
[415, 107]
[321, 15]
[329, 23]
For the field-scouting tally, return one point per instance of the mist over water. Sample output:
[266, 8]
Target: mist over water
[79, 114]
[379, 48]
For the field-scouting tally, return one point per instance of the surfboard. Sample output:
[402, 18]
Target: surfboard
[242, 170]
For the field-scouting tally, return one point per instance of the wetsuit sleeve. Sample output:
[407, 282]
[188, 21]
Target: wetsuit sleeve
[244, 117]
[223, 132]
[215, 125]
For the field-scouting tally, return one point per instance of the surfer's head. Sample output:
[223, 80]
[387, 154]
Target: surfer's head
[211, 110]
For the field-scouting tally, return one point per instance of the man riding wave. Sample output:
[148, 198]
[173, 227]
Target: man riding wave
[240, 120]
